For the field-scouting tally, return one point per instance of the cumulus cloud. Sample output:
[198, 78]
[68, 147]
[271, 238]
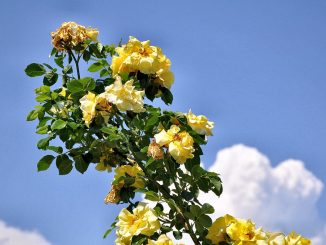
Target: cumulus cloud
[278, 198]
[15, 236]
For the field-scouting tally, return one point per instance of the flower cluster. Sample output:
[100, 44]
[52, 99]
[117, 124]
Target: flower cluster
[70, 35]
[240, 232]
[179, 144]
[140, 56]
[142, 220]
[123, 96]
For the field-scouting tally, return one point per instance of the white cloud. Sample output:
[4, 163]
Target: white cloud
[280, 198]
[15, 236]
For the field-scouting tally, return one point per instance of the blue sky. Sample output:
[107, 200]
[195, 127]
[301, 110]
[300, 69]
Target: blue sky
[256, 68]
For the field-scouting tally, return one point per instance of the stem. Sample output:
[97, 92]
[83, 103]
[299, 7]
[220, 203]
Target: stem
[76, 62]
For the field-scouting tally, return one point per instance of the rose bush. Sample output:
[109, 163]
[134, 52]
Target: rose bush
[105, 121]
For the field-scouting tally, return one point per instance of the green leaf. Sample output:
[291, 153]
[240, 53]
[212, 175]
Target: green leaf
[149, 162]
[217, 183]
[43, 143]
[43, 97]
[84, 84]
[140, 156]
[35, 70]
[43, 89]
[104, 73]
[48, 66]
[32, 115]
[59, 61]
[45, 162]
[108, 231]
[205, 220]
[73, 125]
[50, 78]
[67, 69]
[64, 164]
[187, 195]
[177, 235]
[138, 240]
[203, 184]
[195, 210]
[197, 171]
[152, 196]
[58, 124]
[207, 209]
[80, 164]
[95, 67]
[109, 130]
[42, 130]
[167, 96]
[151, 121]
[57, 149]
[86, 55]
[53, 51]
[199, 227]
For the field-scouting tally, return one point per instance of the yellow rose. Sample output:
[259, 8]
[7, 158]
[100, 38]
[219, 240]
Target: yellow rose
[131, 170]
[180, 144]
[90, 104]
[125, 96]
[162, 240]
[241, 232]
[182, 148]
[142, 220]
[295, 239]
[165, 137]
[88, 107]
[165, 78]
[200, 124]
[217, 231]
[70, 34]
[141, 56]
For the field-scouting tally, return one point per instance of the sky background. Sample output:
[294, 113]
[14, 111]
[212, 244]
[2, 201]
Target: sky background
[256, 68]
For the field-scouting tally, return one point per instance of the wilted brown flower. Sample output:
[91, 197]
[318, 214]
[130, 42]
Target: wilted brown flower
[70, 34]
[113, 196]
[155, 151]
